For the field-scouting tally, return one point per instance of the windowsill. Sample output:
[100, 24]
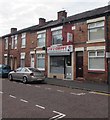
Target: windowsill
[23, 47]
[54, 45]
[41, 69]
[96, 71]
[95, 41]
[40, 46]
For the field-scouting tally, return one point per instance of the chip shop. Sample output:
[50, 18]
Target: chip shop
[60, 62]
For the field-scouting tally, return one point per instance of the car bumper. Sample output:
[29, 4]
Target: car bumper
[32, 79]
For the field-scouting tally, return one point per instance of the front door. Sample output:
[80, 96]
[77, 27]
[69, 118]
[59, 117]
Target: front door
[79, 64]
[68, 67]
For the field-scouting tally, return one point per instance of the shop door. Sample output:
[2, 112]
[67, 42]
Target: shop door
[79, 64]
[68, 67]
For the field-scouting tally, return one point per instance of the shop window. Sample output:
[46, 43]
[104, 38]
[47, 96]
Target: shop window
[96, 30]
[57, 37]
[41, 40]
[41, 61]
[96, 60]
[57, 65]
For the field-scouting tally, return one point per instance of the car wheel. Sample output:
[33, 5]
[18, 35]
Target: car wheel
[10, 77]
[24, 80]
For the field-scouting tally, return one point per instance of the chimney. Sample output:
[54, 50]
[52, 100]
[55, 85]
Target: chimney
[13, 30]
[41, 21]
[62, 14]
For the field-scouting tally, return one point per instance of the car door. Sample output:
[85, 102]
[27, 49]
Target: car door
[17, 74]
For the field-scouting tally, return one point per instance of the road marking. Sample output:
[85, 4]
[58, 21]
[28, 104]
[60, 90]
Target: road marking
[48, 88]
[20, 83]
[77, 93]
[1, 92]
[39, 106]
[28, 85]
[22, 100]
[99, 93]
[60, 91]
[37, 86]
[12, 96]
[57, 117]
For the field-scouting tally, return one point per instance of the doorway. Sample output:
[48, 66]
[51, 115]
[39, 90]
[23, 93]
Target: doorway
[79, 64]
[68, 67]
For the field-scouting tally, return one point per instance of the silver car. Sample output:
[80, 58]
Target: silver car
[26, 74]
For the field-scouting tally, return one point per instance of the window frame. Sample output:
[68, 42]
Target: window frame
[40, 57]
[54, 33]
[6, 43]
[95, 27]
[23, 40]
[44, 39]
[96, 56]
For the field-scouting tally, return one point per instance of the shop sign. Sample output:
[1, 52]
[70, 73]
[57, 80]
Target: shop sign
[60, 49]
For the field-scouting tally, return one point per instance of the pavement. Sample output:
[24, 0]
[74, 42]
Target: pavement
[82, 85]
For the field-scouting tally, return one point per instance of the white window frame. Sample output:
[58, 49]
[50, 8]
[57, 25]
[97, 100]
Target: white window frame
[23, 40]
[42, 57]
[54, 33]
[94, 21]
[96, 56]
[6, 43]
[95, 27]
[16, 42]
[39, 35]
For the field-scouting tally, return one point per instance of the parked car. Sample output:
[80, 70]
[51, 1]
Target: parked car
[4, 70]
[26, 74]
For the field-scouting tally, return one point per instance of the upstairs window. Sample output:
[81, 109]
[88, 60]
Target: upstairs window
[6, 43]
[57, 37]
[14, 42]
[96, 31]
[41, 40]
[23, 43]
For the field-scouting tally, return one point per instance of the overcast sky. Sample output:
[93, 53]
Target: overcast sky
[26, 13]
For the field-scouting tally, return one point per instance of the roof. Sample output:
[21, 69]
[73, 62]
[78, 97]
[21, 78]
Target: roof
[81, 16]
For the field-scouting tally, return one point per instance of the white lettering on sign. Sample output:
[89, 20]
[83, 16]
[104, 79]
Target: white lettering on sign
[59, 49]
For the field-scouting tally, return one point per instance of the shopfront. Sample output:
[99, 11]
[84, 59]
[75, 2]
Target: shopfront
[60, 62]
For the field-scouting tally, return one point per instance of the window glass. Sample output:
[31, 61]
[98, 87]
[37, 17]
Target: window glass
[41, 40]
[41, 61]
[96, 60]
[57, 65]
[57, 37]
[96, 30]
[23, 43]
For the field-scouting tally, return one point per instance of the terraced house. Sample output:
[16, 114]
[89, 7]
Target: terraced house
[71, 47]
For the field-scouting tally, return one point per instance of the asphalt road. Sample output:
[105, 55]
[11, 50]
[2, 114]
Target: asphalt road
[52, 102]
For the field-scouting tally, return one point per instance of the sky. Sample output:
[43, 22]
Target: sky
[25, 13]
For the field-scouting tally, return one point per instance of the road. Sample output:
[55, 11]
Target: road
[52, 102]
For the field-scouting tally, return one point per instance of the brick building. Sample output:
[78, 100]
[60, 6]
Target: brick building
[71, 48]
